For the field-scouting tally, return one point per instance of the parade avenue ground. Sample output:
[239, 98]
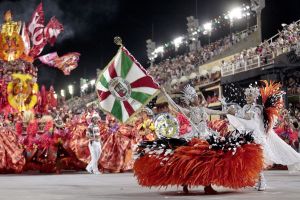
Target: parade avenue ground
[82, 186]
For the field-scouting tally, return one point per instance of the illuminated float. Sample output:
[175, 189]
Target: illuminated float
[30, 139]
[20, 46]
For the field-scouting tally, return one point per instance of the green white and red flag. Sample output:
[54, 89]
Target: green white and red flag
[124, 86]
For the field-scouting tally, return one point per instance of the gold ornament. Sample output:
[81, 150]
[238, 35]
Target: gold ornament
[22, 92]
[11, 43]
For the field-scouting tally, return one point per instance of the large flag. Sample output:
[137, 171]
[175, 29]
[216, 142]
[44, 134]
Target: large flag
[52, 30]
[36, 31]
[65, 63]
[124, 86]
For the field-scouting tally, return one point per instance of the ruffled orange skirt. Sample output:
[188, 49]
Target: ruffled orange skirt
[196, 164]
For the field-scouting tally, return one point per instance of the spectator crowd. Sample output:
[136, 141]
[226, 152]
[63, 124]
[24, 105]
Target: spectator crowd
[183, 65]
[286, 40]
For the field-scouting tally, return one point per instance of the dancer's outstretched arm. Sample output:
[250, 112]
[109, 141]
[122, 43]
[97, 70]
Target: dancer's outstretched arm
[215, 112]
[173, 104]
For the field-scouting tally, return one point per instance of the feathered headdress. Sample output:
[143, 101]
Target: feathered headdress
[254, 91]
[189, 93]
[272, 102]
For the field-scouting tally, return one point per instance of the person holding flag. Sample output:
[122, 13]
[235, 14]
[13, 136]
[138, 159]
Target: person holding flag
[124, 88]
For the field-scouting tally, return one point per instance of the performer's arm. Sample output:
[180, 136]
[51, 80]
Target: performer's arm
[173, 104]
[215, 112]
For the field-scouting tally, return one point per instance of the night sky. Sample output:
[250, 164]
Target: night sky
[90, 26]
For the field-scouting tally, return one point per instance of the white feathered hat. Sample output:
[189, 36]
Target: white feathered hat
[253, 91]
[189, 93]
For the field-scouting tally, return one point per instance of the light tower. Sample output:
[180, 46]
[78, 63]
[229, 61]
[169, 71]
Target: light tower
[71, 90]
[193, 32]
[150, 49]
[257, 6]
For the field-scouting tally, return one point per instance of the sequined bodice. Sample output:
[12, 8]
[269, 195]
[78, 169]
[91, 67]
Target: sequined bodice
[198, 115]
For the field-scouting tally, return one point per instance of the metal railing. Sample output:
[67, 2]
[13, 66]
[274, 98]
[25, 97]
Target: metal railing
[248, 64]
[256, 61]
[252, 29]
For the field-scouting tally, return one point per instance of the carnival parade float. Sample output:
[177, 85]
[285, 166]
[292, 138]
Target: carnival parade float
[30, 138]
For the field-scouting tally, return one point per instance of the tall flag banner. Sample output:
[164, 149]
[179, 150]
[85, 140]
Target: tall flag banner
[49, 59]
[65, 63]
[52, 30]
[36, 31]
[124, 86]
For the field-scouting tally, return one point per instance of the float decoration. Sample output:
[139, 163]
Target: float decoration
[20, 46]
[22, 92]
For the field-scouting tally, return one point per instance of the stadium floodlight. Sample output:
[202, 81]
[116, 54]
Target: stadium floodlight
[62, 93]
[71, 90]
[235, 13]
[159, 49]
[178, 41]
[84, 87]
[207, 30]
[150, 49]
[208, 26]
[92, 82]
[192, 26]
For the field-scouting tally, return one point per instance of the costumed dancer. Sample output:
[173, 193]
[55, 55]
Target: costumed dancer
[78, 143]
[205, 158]
[118, 147]
[93, 134]
[62, 136]
[26, 129]
[286, 130]
[196, 112]
[261, 119]
[11, 153]
[146, 127]
[47, 150]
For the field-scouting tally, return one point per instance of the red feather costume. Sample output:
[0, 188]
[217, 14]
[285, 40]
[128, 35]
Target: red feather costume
[198, 163]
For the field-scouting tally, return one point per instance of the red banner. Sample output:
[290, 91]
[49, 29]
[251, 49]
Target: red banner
[52, 30]
[36, 31]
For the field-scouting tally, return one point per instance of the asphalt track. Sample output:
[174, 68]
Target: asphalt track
[82, 186]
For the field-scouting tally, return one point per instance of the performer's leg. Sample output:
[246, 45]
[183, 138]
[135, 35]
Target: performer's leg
[209, 190]
[261, 186]
[185, 189]
[97, 150]
[89, 166]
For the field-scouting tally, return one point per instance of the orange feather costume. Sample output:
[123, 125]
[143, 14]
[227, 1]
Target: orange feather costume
[197, 163]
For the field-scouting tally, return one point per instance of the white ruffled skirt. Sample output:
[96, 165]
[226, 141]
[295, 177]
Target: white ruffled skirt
[275, 149]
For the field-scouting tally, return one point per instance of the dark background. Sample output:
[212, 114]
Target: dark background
[90, 26]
